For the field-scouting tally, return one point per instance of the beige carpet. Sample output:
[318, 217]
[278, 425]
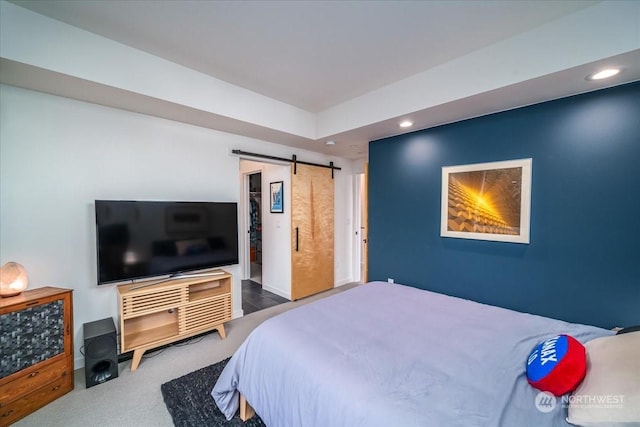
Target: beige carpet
[134, 398]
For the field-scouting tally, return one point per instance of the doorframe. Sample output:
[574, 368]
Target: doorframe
[359, 205]
[244, 215]
[364, 202]
[357, 224]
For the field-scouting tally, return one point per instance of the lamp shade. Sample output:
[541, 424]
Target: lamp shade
[13, 279]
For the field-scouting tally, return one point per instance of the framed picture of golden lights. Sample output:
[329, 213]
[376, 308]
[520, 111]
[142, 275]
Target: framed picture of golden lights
[487, 201]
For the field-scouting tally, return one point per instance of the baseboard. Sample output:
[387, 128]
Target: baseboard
[342, 282]
[276, 291]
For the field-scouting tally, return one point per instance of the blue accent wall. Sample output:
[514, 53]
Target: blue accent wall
[583, 262]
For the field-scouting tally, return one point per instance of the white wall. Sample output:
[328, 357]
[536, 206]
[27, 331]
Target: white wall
[276, 233]
[58, 155]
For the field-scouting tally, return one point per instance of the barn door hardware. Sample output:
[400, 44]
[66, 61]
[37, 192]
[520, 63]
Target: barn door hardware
[293, 159]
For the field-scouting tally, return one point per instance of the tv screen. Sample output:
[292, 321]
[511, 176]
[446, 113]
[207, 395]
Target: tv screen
[140, 239]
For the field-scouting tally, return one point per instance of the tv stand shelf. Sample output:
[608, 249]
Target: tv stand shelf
[171, 310]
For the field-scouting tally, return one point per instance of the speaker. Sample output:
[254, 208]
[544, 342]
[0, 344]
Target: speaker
[100, 352]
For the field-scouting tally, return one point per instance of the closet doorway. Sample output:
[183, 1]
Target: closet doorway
[255, 227]
[265, 270]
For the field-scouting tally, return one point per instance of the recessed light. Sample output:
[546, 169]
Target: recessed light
[604, 74]
[330, 143]
[406, 124]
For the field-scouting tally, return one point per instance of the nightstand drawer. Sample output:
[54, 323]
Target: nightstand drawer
[34, 400]
[35, 379]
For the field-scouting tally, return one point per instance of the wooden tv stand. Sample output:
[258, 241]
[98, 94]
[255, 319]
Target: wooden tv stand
[171, 310]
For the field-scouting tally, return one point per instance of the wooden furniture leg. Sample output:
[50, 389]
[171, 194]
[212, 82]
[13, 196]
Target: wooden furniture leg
[246, 411]
[137, 357]
[221, 331]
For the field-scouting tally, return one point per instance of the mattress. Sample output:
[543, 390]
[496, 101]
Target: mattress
[385, 355]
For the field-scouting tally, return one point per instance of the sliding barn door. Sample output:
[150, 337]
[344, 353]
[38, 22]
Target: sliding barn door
[312, 230]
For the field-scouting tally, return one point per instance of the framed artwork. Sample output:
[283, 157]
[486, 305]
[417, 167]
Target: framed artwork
[487, 201]
[277, 197]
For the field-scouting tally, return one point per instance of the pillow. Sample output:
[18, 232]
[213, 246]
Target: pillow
[610, 392]
[628, 329]
[557, 365]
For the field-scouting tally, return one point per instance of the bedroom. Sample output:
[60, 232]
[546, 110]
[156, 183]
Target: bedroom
[79, 151]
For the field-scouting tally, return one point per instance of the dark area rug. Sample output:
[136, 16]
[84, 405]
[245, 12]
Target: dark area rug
[190, 404]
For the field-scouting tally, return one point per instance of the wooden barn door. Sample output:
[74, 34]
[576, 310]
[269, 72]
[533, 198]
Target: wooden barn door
[312, 230]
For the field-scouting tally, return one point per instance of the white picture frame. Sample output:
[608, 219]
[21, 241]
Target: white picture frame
[487, 201]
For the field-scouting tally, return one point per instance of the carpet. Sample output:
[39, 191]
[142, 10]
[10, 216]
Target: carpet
[190, 404]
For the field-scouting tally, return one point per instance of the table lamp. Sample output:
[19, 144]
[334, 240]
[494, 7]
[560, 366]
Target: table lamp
[13, 279]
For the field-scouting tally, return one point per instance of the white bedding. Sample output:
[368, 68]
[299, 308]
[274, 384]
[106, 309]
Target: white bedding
[391, 355]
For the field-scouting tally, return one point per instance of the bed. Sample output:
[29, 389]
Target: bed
[385, 354]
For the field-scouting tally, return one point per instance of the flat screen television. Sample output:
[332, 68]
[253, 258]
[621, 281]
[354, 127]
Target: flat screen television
[144, 239]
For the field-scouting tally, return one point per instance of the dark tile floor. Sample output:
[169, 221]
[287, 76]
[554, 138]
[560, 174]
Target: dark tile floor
[254, 298]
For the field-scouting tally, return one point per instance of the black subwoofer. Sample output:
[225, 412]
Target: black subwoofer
[100, 352]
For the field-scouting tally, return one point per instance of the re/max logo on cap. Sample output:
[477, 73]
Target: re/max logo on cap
[545, 357]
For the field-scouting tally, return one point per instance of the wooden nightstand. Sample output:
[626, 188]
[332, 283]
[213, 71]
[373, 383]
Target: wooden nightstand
[36, 350]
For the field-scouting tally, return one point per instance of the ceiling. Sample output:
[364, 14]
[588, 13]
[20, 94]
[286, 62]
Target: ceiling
[321, 55]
